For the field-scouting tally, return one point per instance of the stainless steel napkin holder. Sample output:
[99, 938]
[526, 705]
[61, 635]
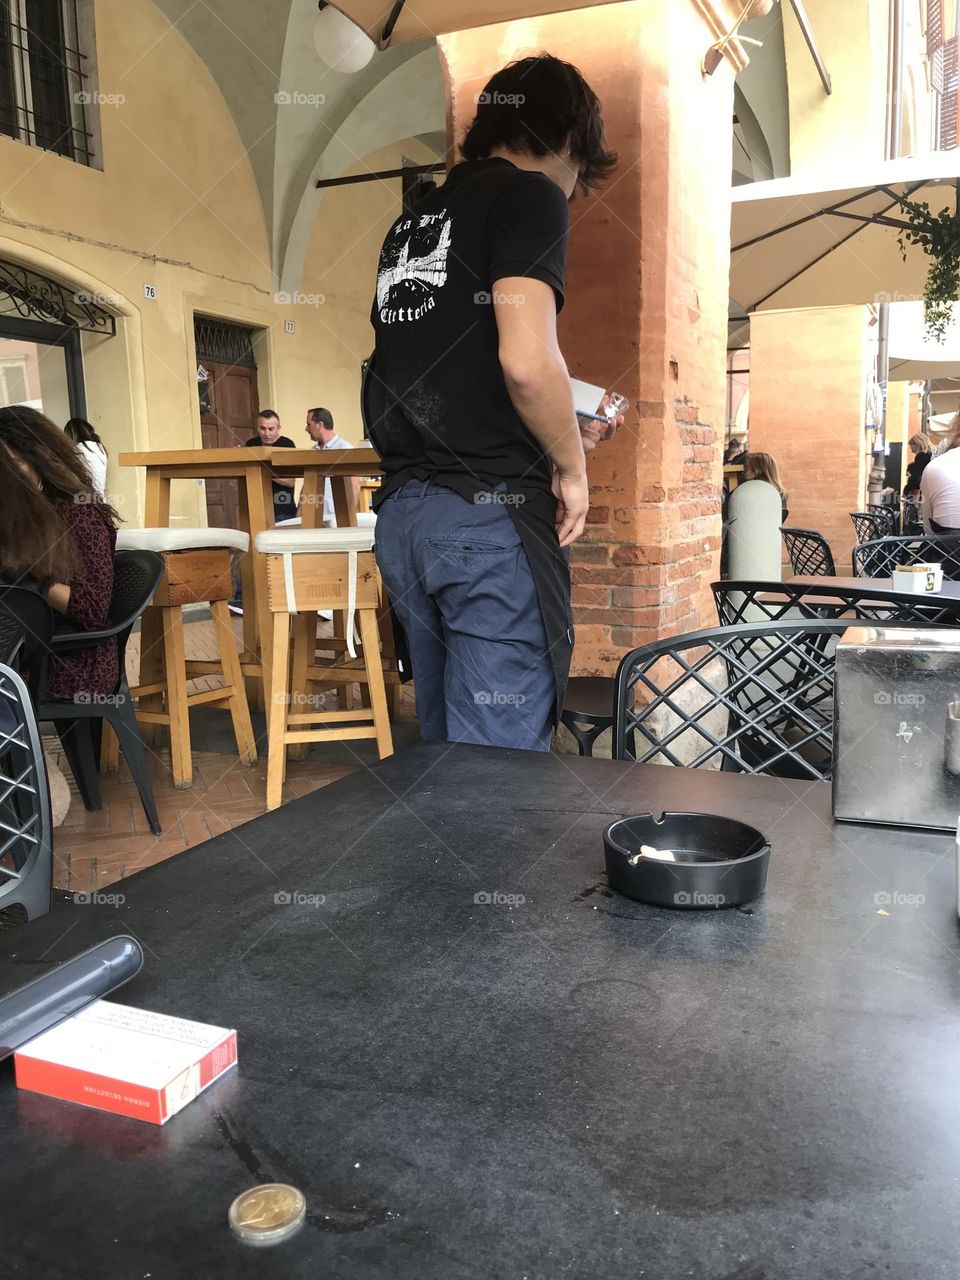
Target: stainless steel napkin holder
[897, 727]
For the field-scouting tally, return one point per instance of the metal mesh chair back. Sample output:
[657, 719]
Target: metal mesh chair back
[25, 822]
[879, 557]
[912, 520]
[867, 526]
[809, 552]
[739, 602]
[756, 698]
[136, 576]
[889, 518]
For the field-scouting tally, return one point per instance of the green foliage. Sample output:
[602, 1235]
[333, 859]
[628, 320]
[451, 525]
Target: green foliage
[938, 235]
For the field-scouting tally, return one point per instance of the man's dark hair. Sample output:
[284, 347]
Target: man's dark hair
[323, 416]
[540, 106]
[268, 413]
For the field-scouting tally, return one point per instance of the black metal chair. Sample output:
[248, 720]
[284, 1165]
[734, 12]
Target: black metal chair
[879, 557]
[136, 576]
[809, 553]
[889, 518]
[911, 519]
[26, 826]
[756, 698]
[588, 709]
[740, 602]
[868, 527]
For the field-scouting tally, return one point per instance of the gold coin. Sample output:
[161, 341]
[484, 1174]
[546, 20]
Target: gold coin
[268, 1214]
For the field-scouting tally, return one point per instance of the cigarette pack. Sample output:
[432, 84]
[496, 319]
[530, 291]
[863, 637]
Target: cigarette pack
[127, 1061]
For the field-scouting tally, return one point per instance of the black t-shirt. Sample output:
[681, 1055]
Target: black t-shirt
[284, 506]
[439, 404]
[435, 401]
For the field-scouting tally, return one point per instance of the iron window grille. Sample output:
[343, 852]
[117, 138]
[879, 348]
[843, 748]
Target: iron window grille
[31, 296]
[224, 343]
[43, 85]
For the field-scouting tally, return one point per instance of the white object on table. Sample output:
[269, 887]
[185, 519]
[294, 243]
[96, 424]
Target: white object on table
[918, 579]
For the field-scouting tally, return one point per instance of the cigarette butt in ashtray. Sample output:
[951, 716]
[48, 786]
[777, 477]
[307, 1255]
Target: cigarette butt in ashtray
[648, 851]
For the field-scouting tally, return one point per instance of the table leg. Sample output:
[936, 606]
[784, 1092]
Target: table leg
[343, 503]
[252, 685]
[156, 511]
[151, 670]
[260, 517]
[311, 500]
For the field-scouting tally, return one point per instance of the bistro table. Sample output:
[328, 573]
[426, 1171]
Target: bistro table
[254, 468]
[949, 589]
[476, 1061]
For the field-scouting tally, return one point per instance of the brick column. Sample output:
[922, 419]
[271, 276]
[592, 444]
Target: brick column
[646, 302]
[808, 372]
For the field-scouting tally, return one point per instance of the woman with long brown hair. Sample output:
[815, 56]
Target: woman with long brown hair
[58, 535]
[763, 466]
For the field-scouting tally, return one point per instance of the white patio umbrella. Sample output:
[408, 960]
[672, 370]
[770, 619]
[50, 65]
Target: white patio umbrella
[913, 357]
[798, 242]
[420, 19]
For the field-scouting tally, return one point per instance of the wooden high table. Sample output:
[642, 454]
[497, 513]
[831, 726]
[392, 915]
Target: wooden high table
[255, 468]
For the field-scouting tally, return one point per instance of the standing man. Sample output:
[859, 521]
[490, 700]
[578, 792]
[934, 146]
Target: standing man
[268, 435]
[321, 432]
[471, 408]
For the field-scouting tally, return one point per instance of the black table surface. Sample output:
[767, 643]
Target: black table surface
[477, 1061]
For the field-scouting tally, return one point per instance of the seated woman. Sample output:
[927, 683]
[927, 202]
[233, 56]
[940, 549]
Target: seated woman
[921, 449]
[761, 466]
[58, 535]
[940, 486]
[91, 449]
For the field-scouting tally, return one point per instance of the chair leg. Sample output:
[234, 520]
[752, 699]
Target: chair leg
[109, 750]
[175, 662]
[304, 644]
[151, 668]
[233, 678]
[378, 695]
[124, 722]
[277, 710]
[77, 739]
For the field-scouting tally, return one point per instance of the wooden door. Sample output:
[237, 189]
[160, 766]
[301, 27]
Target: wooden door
[228, 417]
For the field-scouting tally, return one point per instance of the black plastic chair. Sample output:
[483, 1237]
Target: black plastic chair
[809, 553]
[588, 709]
[26, 625]
[868, 527]
[879, 557]
[26, 826]
[889, 518]
[136, 576]
[911, 518]
[742, 602]
[756, 698]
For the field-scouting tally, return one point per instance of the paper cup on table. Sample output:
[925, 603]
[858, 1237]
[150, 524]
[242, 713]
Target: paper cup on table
[918, 579]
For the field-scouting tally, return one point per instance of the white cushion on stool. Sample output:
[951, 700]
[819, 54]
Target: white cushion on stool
[295, 542]
[182, 539]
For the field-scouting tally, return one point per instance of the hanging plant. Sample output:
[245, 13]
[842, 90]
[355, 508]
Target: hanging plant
[938, 235]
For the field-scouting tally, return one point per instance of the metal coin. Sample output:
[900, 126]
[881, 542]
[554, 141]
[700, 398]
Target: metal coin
[268, 1214]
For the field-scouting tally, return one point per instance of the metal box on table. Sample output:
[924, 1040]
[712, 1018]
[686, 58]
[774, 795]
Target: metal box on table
[897, 751]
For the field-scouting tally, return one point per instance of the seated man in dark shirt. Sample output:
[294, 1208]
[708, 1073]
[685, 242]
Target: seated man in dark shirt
[470, 406]
[268, 435]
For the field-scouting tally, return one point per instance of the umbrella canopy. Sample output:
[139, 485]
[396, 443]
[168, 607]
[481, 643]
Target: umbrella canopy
[913, 358]
[422, 18]
[797, 243]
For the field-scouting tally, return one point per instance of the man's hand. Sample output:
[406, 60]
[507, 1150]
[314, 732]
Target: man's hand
[573, 502]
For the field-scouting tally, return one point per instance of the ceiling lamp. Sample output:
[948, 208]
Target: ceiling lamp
[752, 9]
[340, 43]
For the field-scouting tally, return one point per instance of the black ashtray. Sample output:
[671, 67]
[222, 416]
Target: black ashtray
[719, 862]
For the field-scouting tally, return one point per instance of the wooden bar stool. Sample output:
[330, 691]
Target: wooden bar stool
[309, 570]
[197, 572]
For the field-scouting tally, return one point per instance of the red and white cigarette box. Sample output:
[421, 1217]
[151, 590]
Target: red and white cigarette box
[128, 1061]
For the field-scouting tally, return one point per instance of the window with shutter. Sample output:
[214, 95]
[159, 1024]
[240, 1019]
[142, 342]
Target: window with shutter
[44, 100]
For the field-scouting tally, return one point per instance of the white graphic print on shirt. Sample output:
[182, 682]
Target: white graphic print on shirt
[413, 266]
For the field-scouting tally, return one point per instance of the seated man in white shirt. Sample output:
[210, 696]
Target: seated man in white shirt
[321, 431]
[940, 486]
